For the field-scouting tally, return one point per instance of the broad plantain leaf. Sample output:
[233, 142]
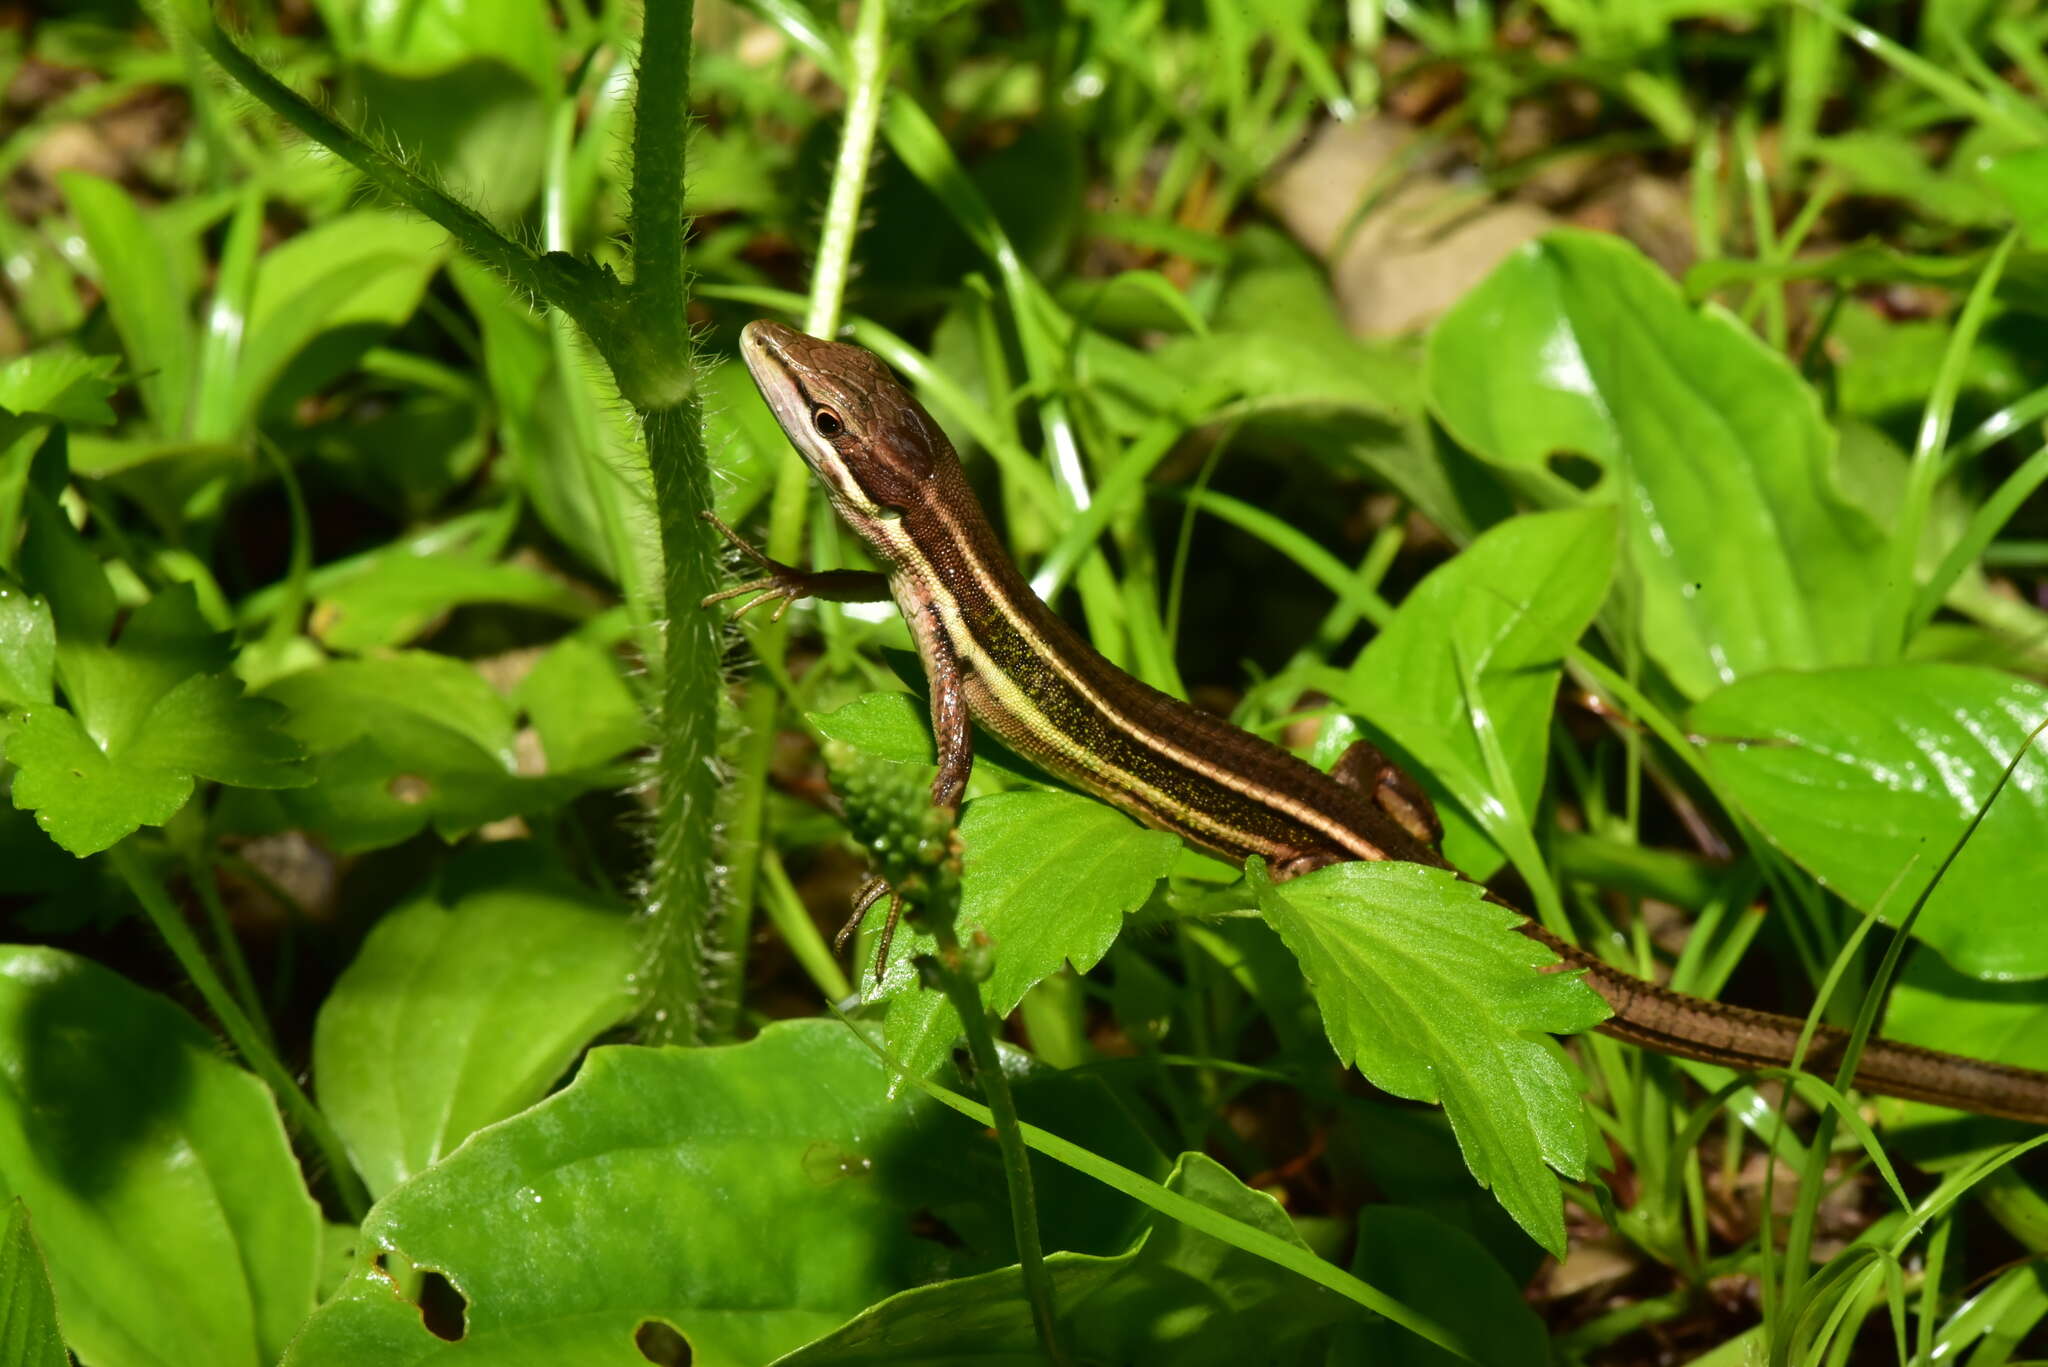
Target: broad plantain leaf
[1748, 556]
[465, 1004]
[178, 1230]
[751, 1197]
[1866, 776]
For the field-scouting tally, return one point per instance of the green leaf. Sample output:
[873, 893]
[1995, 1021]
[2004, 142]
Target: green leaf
[60, 383]
[146, 289]
[28, 1308]
[1048, 878]
[28, 646]
[1434, 995]
[394, 598]
[401, 742]
[482, 125]
[148, 714]
[1866, 776]
[891, 726]
[83, 797]
[1896, 164]
[2022, 178]
[582, 710]
[1179, 1298]
[1873, 262]
[1506, 610]
[1716, 451]
[178, 1230]
[897, 727]
[1934, 1005]
[1448, 1275]
[433, 35]
[578, 451]
[752, 1197]
[1278, 341]
[465, 1004]
[325, 295]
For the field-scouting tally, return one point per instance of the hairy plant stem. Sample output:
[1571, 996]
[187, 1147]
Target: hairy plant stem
[241, 1031]
[642, 332]
[582, 291]
[866, 87]
[683, 944]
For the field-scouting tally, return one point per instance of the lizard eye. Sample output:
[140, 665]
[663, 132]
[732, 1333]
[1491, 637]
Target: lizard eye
[827, 422]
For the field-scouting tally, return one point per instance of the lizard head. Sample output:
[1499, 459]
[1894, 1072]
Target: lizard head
[852, 421]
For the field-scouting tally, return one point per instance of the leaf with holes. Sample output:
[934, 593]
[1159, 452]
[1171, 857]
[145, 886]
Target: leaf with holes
[1048, 878]
[177, 1228]
[751, 1197]
[465, 1004]
[1710, 442]
[1435, 996]
[1867, 777]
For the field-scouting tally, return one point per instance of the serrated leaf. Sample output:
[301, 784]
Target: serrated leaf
[897, 727]
[1048, 878]
[177, 1227]
[1179, 1298]
[1712, 445]
[1866, 776]
[205, 726]
[890, 726]
[1505, 609]
[28, 646]
[465, 1004]
[1435, 996]
[752, 1197]
[28, 1308]
[84, 798]
[60, 383]
[147, 715]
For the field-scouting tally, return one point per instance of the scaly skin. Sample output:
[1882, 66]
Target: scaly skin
[997, 656]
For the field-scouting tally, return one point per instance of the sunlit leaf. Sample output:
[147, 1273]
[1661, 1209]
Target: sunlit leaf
[28, 1308]
[1436, 997]
[1048, 878]
[1867, 777]
[1711, 444]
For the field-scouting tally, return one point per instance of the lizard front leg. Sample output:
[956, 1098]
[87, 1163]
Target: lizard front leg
[788, 584]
